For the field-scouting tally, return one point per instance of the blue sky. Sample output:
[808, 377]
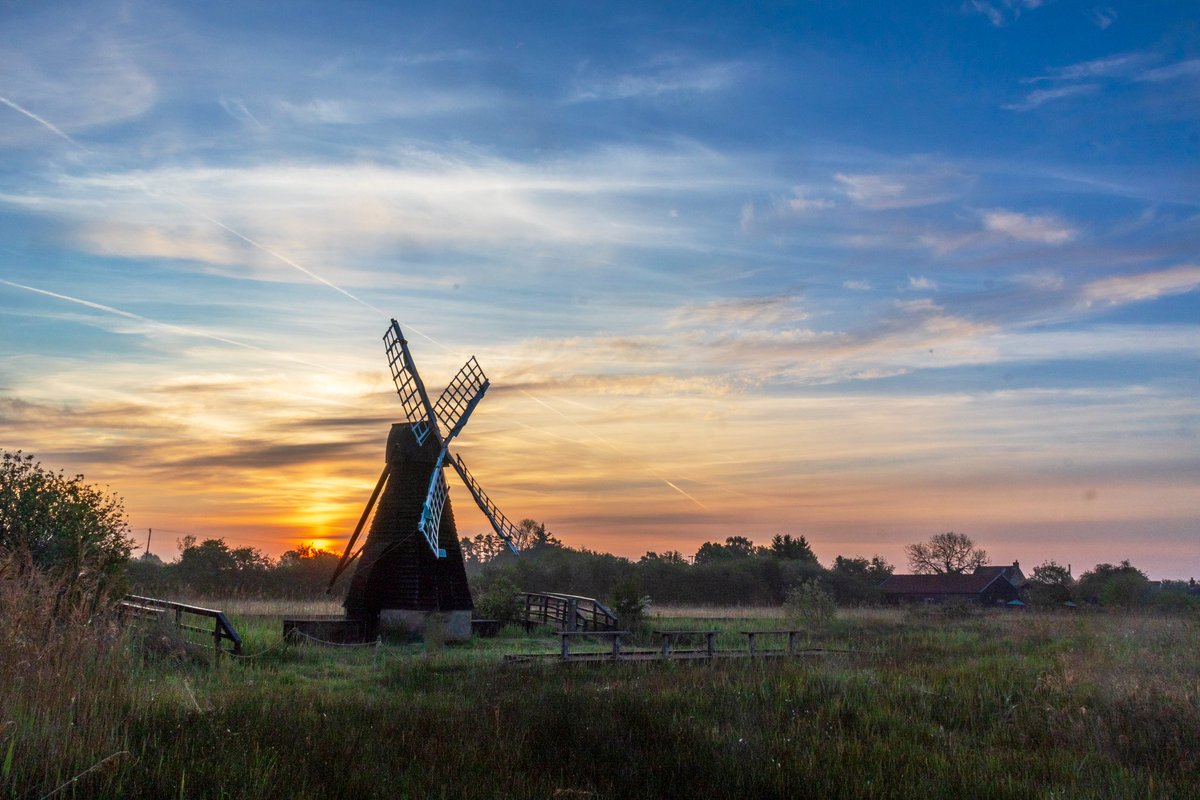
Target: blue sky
[864, 272]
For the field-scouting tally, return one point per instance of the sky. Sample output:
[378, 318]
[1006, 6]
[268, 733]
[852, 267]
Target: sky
[862, 272]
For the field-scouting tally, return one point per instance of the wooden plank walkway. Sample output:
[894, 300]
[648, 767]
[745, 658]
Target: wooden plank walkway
[675, 655]
[667, 652]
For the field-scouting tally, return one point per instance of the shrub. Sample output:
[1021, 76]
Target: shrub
[808, 601]
[500, 601]
[628, 603]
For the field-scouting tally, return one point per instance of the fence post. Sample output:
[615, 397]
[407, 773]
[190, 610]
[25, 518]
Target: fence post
[572, 610]
[712, 644]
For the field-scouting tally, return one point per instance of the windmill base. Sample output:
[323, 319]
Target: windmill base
[453, 626]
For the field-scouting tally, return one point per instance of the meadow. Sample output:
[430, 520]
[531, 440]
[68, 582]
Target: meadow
[992, 705]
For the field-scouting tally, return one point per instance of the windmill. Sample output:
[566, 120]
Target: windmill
[411, 563]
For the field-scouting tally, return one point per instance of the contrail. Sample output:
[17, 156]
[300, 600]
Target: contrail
[294, 265]
[50, 126]
[175, 328]
[287, 261]
[685, 494]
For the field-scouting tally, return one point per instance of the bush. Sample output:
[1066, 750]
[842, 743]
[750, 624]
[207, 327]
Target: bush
[628, 603]
[808, 602]
[501, 601]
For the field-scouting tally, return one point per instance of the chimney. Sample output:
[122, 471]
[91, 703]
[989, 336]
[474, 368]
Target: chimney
[1016, 564]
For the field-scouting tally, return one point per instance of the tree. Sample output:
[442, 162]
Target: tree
[945, 553]
[212, 565]
[784, 546]
[856, 580]
[734, 547]
[1121, 585]
[1050, 584]
[532, 535]
[666, 557]
[61, 524]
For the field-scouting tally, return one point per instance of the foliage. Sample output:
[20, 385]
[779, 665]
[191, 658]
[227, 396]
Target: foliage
[213, 564]
[500, 601]
[784, 546]
[628, 603]
[856, 581]
[734, 547]
[667, 557]
[61, 524]
[1122, 585]
[809, 602]
[1050, 584]
[945, 553]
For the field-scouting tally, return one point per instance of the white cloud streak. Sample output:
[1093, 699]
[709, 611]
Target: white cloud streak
[50, 126]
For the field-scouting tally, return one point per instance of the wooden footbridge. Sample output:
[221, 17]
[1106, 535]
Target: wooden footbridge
[567, 612]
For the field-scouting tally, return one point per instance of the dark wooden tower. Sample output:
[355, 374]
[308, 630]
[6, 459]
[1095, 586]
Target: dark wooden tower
[397, 568]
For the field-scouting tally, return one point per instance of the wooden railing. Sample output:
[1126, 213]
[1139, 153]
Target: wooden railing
[183, 617]
[568, 612]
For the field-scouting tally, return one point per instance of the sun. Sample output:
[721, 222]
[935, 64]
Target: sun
[318, 544]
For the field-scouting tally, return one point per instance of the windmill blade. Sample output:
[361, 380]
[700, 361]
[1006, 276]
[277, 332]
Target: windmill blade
[431, 512]
[460, 398]
[409, 385]
[502, 525]
[346, 559]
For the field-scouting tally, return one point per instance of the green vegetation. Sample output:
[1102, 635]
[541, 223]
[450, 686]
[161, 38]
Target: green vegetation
[995, 705]
[928, 702]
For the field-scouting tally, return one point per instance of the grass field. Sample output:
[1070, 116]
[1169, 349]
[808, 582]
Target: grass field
[995, 705]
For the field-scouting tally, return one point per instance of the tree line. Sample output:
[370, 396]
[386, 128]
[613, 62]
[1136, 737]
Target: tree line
[61, 525]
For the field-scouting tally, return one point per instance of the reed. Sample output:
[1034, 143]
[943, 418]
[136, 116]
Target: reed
[994, 705]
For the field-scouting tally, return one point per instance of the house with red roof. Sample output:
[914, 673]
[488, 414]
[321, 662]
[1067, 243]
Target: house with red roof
[987, 586]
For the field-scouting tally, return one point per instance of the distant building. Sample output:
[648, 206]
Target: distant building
[1012, 574]
[987, 586]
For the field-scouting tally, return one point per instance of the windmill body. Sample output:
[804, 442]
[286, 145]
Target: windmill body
[411, 568]
[399, 581]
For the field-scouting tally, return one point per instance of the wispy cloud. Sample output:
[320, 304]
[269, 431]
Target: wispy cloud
[1045, 229]
[81, 76]
[920, 185]
[1143, 286]
[1120, 64]
[661, 77]
[420, 198]
[1182, 69]
[1001, 12]
[1039, 97]
[742, 312]
[1103, 17]
[1089, 77]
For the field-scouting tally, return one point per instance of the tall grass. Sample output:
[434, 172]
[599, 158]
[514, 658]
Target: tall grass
[992, 706]
[63, 685]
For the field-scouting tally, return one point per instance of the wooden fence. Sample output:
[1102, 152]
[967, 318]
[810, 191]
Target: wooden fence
[185, 618]
[568, 612]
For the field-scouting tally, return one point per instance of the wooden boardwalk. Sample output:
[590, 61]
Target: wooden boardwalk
[667, 652]
[675, 655]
